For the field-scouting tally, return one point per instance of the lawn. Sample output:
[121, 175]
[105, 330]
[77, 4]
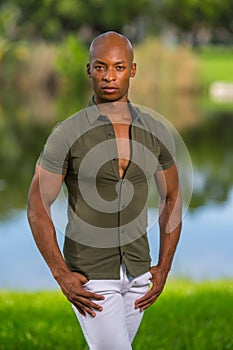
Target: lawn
[216, 64]
[192, 316]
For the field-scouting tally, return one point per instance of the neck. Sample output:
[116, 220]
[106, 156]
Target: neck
[116, 111]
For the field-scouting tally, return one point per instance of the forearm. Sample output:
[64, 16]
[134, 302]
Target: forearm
[71, 283]
[170, 215]
[170, 229]
[44, 235]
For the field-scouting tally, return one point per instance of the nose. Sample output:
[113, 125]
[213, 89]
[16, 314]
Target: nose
[109, 75]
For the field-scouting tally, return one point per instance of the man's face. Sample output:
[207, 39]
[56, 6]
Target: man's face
[110, 70]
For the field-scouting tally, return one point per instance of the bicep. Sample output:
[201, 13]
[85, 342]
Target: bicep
[167, 182]
[171, 200]
[45, 186]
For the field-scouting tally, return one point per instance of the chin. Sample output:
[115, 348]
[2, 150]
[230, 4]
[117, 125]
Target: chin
[113, 97]
[108, 98]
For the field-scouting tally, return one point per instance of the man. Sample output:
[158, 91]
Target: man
[101, 153]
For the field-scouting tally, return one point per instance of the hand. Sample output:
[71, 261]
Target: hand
[72, 287]
[158, 280]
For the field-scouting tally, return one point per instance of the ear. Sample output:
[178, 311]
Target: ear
[88, 70]
[133, 70]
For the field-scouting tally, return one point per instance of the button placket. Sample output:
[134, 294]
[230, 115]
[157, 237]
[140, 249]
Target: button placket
[138, 135]
[121, 214]
[110, 135]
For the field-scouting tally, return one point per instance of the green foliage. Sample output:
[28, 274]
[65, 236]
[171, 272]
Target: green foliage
[189, 13]
[104, 15]
[187, 316]
[9, 16]
[193, 15]
[35, 19]
[72, 58]
[11, 51]
[51, 19]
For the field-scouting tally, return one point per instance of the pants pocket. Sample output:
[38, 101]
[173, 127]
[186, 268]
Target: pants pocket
[142, 281]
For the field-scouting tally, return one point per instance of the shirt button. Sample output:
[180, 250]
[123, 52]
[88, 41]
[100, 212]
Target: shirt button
[114, 158]
[122, 205]
[110, 133]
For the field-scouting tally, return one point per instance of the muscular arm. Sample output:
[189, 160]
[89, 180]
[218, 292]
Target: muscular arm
[170, 217]
[44, 189]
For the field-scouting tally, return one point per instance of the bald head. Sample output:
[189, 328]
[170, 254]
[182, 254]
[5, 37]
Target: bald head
[110, 67]
[111, 39]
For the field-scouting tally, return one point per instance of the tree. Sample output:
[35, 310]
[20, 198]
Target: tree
[51, 19]
[192, 16]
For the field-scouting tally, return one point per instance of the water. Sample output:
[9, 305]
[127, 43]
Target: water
[205, 248]
[204, 251]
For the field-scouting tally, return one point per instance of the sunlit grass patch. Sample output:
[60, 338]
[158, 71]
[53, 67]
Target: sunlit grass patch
[186, 316]
[216, 64]
[42, 320]
[189, 316]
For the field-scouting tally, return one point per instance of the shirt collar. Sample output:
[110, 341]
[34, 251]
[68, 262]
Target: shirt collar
[93, 113]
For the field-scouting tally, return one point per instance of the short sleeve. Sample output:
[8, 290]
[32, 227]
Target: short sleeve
[54, 156]
[166, 156]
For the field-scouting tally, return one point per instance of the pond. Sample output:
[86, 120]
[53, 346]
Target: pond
[205, 248]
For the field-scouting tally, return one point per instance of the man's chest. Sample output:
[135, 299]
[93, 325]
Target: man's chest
[112, 150]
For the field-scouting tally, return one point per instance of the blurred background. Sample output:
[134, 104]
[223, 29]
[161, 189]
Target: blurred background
[183, 50]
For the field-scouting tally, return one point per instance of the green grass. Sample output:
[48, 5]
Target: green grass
[189, 316]
[216, 64]
[186, 316]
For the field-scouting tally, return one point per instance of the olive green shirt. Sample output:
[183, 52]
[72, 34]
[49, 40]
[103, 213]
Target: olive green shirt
[107, 215]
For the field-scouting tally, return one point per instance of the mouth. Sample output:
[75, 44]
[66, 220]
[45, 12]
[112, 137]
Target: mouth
[109, 89]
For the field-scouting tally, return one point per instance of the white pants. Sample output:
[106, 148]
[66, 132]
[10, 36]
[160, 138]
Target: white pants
[115, 327]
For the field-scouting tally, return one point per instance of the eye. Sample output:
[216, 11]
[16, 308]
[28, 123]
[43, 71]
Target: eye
[120, 67]
[98, 67]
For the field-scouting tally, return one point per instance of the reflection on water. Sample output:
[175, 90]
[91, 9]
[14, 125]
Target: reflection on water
[209, 141]
[204, 251]
[211, 148]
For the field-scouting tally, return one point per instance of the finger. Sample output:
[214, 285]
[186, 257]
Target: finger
[94, 295]
[145, 297]
[146, 306]
[148, 298]
[87, 303]
[88, 307]
[80, 310]
[95, 306]
[84, 309]
[89, 311]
